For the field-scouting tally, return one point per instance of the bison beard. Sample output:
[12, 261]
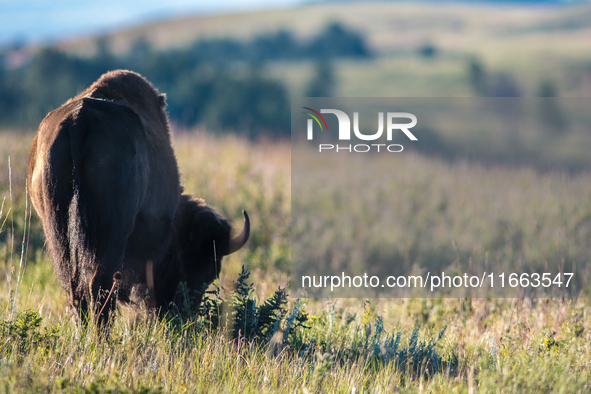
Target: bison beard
[104, 180]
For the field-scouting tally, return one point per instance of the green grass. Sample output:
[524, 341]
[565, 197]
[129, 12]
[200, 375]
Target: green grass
[349, 345]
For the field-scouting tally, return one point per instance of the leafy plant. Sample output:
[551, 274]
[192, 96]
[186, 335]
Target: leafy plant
[23, 333]
[239, 313]
[371, 344]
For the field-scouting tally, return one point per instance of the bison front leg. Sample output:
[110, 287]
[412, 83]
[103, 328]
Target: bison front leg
[104, 285]
[104, 289]
[80, 304]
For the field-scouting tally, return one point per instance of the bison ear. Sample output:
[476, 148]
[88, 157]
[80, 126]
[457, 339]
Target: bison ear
[162, 100]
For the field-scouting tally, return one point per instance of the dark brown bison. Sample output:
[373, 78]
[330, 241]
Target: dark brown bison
[104, 180]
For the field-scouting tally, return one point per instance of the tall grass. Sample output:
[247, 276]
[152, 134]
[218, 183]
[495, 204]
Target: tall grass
[407, 345]
[389, 216]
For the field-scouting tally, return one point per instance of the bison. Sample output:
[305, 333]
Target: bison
[104, 180]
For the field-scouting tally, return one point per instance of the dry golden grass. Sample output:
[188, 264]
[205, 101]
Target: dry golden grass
[489, 345]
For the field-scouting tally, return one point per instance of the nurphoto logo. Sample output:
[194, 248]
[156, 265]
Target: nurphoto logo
[393, 124]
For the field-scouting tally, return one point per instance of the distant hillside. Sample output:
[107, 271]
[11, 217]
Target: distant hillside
[530, 41]
[389, 25]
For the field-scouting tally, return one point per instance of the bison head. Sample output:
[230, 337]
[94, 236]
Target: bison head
[203, 239]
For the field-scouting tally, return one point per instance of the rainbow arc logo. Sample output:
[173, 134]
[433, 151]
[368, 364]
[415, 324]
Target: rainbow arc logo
[315, 116]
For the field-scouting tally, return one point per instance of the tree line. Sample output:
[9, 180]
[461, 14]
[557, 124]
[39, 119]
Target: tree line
[215, 82]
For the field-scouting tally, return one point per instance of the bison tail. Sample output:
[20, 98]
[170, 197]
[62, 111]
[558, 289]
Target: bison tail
[102, 211]
[81, 237]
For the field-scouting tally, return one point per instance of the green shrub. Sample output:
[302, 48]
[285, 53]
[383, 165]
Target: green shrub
[239, 313]
[23, 334]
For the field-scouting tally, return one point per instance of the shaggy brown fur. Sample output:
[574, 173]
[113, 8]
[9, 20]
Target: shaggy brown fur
[104, 180]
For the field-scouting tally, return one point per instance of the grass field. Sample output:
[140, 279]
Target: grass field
[387, 215]
[445, 212]
[351, 345]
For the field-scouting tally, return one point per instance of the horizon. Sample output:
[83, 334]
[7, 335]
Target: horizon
[36, 22]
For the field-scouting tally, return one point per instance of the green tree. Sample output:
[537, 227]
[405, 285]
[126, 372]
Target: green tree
[477, 77]
[323, 83]
[551, 114]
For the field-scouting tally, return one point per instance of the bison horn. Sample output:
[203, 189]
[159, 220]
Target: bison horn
[240, 240]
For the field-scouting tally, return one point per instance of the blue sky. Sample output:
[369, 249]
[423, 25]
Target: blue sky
[40, 21]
